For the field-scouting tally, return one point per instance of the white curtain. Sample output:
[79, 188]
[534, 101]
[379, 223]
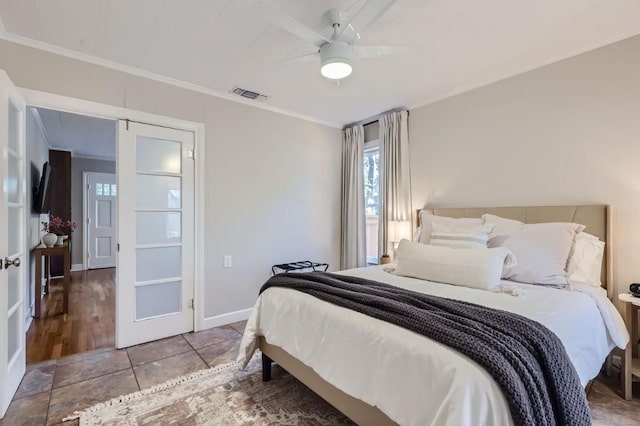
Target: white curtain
[353, 245]
[395, 178]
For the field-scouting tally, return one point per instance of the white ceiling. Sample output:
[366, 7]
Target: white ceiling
[84, 136]
[219, 44]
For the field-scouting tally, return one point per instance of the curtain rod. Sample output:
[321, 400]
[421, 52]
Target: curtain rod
[375, 117]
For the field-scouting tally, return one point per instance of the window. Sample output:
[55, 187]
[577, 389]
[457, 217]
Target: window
[372, 198]
[106, 190]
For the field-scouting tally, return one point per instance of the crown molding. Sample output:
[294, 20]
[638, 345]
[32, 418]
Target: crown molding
[40, 45]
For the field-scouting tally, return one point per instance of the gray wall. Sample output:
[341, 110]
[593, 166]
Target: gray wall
[78, 166]
[37, 151]
[566, 133]
[272, 189]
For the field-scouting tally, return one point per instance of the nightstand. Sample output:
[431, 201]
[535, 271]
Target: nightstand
[630, 360]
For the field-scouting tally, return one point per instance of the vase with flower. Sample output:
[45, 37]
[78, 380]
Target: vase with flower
[61, 229]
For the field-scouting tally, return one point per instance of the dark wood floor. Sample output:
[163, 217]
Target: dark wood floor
[89, 325]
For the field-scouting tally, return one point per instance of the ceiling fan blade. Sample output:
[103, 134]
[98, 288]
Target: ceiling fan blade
[299, 59]
[367, 15]
[289, 24]
[361, 51]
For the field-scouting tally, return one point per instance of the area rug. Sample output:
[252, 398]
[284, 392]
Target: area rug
[223, 395]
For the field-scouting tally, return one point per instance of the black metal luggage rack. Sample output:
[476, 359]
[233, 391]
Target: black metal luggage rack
[296, 266]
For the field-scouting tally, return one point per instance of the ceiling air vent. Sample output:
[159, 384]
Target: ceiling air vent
[249, 94]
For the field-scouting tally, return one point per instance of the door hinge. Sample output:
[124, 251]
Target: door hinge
[88, 220]
[127, 124]
[88, 255]
[191, 304]
[191, 154]
[118, 247]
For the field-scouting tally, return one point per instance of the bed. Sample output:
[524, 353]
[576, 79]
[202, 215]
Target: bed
[358, 363]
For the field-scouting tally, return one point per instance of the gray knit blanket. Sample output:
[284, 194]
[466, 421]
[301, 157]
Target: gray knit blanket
[526, 359]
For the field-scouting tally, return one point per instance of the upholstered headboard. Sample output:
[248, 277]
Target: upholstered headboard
[596, 218]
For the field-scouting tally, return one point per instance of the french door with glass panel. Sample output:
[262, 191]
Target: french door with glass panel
[13, 259]
[155, 266]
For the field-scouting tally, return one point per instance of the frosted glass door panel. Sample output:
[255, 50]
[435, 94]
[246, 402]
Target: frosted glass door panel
[158, 299]
[158, 263]
[157, 155]
[14, 123]
[13, 178]
[14, 222]
[13, 277]
[157, 192]
[14, 337]
[158, 227]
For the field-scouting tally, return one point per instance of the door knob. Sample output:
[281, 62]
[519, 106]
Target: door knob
[8, 262]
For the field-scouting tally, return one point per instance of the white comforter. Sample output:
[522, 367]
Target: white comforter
[415, 380]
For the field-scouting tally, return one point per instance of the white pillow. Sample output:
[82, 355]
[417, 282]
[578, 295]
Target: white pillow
[427, 219]
[471, 237]
[542, 250]
[473, 268]
[585, 261]
[502, 225]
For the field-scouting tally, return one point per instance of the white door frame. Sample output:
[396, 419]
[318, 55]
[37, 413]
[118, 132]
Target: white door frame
[85, 216]
[37, 98]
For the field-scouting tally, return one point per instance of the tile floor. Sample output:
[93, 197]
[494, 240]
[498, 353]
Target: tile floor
[51, 390]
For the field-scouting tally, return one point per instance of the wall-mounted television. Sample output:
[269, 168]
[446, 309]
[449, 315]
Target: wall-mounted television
[40, 192]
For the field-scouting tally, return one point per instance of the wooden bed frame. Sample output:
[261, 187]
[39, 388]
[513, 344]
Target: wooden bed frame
[596, 218]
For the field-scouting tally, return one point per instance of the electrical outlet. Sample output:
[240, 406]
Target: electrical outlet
[228, 261]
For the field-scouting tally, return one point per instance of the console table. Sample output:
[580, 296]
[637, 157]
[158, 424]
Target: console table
[46, 252]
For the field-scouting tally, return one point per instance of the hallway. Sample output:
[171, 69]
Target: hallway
[89, 325]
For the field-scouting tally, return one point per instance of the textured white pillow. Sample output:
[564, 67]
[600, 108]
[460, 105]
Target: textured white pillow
[502, 225]
[542, 250]
[427, 219]
[474, 268]
[471, 237]
[585, 261]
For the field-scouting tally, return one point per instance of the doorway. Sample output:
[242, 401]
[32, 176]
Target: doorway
[28, 228]
[72, 145]
[152, 190]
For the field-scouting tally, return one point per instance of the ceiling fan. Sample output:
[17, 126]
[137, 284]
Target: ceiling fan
[337, 52]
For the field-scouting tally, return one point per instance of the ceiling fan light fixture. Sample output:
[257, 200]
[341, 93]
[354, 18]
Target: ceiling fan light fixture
[335, 59]
[336, 70]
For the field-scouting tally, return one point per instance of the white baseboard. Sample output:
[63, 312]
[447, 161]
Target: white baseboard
[77, 267]
[224, 319]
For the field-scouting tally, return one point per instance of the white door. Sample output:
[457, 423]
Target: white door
[12, 241]
[101, 219]
[155, 266]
